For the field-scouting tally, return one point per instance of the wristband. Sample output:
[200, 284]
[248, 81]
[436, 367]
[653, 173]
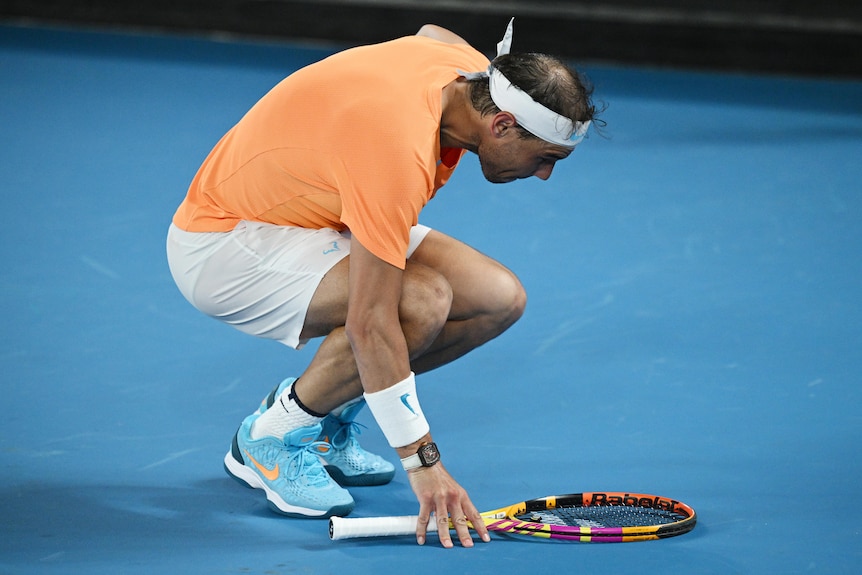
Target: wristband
[398, 413]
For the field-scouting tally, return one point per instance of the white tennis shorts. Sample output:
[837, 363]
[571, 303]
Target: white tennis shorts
[259, 278]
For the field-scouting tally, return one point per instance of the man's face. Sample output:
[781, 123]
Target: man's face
[508, 159]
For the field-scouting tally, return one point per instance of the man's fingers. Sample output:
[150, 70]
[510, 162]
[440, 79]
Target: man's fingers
[461, 528]
[438, 493]
[461, 521]
[443, 529]
[422, 527]
[475, 518]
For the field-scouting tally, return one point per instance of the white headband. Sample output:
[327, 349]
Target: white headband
[533, 116]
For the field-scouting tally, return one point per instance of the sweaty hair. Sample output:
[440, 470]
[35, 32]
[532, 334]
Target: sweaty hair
[547, 79]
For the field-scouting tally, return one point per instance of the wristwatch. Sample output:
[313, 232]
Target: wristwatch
[426, 456]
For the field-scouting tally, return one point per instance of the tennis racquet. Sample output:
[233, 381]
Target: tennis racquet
[610, 517]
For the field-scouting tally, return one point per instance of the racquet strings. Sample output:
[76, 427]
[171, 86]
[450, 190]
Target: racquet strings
[602, 516]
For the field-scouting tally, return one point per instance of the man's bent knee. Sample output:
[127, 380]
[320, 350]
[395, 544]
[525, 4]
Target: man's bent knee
[507, 299]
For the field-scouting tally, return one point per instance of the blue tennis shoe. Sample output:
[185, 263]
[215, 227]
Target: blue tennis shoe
[289, 471]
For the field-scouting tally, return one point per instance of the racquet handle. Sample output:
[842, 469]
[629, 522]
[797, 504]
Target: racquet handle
[344, 528]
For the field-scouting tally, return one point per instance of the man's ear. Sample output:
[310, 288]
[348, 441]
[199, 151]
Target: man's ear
[502, 124]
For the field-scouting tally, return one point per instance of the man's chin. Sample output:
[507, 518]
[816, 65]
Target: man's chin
[494, 176]
[498, 179]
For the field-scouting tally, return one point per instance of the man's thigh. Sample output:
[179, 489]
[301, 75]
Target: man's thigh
[477, 280]
[328, 308]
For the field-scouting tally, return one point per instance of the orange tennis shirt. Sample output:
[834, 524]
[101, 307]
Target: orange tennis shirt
[350, 142]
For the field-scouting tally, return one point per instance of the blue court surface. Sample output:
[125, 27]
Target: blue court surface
[694, 326]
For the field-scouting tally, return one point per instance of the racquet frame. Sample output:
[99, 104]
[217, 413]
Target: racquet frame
[504, 520]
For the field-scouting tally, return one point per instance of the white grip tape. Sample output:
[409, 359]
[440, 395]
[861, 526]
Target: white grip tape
[344, 528]
[398, 413]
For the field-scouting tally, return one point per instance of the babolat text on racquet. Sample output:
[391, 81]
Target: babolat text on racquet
[609, 517]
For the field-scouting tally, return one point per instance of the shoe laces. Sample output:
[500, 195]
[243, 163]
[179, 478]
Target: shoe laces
[347, 432]
[304, 463]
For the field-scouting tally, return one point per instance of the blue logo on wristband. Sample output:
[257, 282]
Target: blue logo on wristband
[406, 404]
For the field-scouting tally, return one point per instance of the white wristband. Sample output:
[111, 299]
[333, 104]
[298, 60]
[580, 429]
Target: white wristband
[398, 412]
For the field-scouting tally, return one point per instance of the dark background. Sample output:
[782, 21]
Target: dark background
[772, 36]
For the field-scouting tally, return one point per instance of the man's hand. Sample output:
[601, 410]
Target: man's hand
[437, 492]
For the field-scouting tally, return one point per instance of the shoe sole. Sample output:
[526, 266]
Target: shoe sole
[247, 477]
[365, 480]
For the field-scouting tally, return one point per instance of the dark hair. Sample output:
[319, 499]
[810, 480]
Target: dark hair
[547, 79]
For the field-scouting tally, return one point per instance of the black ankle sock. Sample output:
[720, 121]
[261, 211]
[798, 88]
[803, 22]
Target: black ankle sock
[292, 395]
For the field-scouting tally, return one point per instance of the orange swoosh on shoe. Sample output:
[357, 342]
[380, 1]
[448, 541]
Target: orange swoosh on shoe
[271, 474]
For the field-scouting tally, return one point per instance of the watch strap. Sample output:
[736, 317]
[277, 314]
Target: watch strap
[412, 462]
[426, 456]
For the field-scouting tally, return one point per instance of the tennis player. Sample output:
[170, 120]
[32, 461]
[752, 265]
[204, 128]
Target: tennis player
[303, 223]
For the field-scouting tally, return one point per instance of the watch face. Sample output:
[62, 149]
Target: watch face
[428, 454]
